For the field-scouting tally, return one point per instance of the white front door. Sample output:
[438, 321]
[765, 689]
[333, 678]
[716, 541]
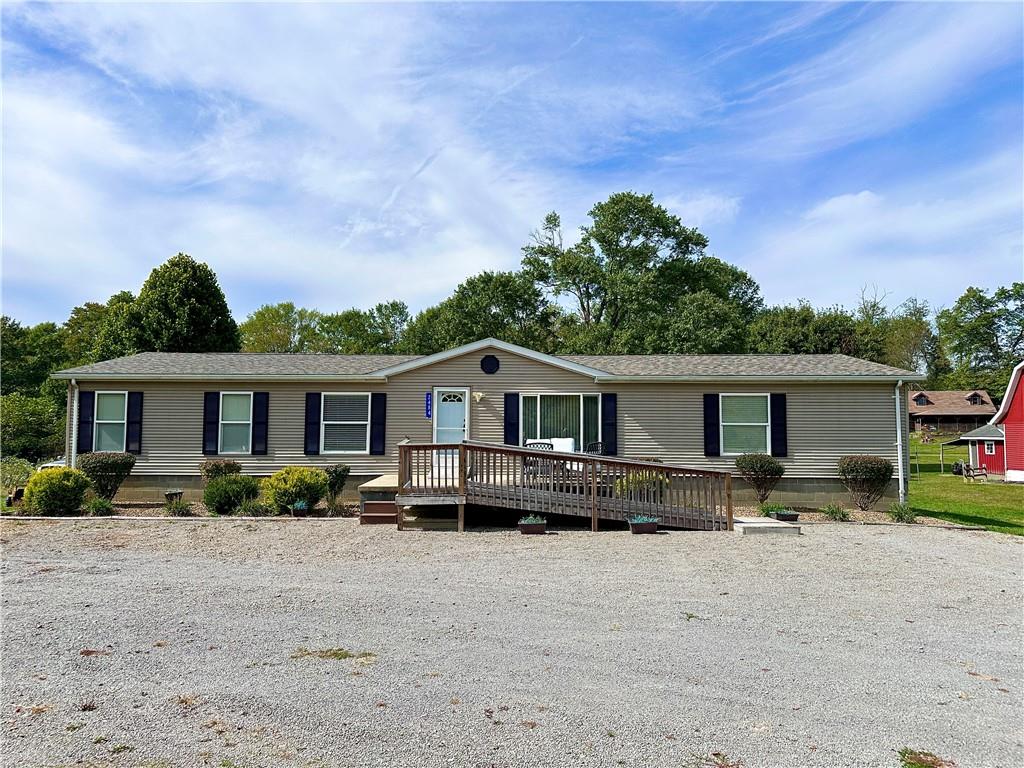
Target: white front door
[451, 415]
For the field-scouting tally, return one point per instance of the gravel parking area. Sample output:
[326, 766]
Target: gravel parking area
[323, 643]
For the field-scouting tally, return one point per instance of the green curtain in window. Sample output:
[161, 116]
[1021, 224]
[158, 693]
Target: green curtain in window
[591, 421]
[560, 417]
[529, 418]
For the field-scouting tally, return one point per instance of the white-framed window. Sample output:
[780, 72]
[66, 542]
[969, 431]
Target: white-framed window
[345, 422]
[576, 415]
[109, 421]
[744, 423]
[990, 447]
[235, 423]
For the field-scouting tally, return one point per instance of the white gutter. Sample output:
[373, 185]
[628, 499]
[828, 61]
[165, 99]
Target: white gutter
[73, 448]
[899, 441]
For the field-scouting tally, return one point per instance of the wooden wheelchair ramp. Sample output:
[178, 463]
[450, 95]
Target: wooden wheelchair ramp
[548, 482]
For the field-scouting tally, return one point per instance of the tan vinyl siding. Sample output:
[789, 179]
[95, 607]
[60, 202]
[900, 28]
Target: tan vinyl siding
[666, 420]
[824, 422]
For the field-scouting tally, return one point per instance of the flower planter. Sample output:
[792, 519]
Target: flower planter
[174, 494]
[533, 528]
[789, 516]
[643, 527]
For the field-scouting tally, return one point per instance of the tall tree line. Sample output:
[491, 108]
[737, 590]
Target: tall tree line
[636, 280]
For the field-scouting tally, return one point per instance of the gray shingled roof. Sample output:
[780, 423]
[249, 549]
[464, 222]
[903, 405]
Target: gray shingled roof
[242, 364]
[736, 365]
[985, 432]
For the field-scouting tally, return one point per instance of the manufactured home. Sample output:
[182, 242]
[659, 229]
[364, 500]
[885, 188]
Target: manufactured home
[267, 411]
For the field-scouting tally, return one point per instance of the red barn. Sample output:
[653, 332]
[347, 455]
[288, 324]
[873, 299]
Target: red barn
[1010, 417]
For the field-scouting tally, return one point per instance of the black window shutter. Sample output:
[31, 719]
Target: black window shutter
[211, 423]
[133, 440]
[610, 423]
[780, 439]
[312, 424]
[712, 441]
[260, 412]
[511, 418]
[378, 423]
[86, 405]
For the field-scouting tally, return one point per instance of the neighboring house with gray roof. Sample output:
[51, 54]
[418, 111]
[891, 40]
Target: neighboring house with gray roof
[273, 410]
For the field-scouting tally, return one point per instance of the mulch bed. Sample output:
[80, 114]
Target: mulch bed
[871, 517]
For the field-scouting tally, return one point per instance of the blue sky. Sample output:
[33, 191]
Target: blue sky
[339, 155]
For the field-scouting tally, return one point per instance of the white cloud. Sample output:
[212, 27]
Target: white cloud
[909, 238]
[703, 210]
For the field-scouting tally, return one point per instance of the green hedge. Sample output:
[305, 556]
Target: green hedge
[223, 495]
[762, 473]
[106, 470]
[56, 491]
[296, 485]
[866, 477]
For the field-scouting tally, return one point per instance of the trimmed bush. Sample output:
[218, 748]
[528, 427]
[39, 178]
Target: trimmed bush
[178, 508]
[212, 468]
[223, 495]
[836, 512]
[902, 512]
[292, 485]
[56, 491]
[14, 472]
[866, 477]
[762, 473]
[106, 471]
[97, 506]
[337, 474]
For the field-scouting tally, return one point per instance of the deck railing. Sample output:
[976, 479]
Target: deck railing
[549, 482]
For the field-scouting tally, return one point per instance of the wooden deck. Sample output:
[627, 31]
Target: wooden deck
[547, 482]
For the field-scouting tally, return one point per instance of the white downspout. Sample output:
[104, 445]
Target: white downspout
[899, 442]
[73, 448]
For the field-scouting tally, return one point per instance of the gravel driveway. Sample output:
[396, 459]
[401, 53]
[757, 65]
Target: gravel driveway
[220, 643]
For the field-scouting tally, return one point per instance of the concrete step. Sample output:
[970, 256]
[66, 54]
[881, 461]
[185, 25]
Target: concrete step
[761, 525]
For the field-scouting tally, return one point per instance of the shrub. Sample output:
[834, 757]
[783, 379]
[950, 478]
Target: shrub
[178, 508]
[97, 506]
[255, 508]
[642, 519]
[223, 495]
[762, 473]
[212, 468]
[291, 485]
[866, 477]
[532, 519]
[56, 491]
[106, 470]
[14, 472]
[767, 509]
[902, 512]
[641, 483]
[337, 474]
[836, 512]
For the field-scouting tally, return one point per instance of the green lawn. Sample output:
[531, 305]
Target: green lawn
[996, 506]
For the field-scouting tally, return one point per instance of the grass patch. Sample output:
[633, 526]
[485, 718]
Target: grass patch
[996, 506]
[332, 654]
[913, 758]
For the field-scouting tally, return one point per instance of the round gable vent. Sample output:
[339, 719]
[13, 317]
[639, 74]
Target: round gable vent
[489, 364]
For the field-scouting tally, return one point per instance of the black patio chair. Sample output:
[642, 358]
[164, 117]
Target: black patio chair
[596, 448]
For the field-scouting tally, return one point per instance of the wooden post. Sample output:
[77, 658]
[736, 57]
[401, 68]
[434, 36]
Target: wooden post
[593, 495]
[462, 487]
[728, 500]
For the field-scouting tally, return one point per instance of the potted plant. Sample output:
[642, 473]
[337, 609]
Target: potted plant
[533, 524]
[780, 512]
[643, 524]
